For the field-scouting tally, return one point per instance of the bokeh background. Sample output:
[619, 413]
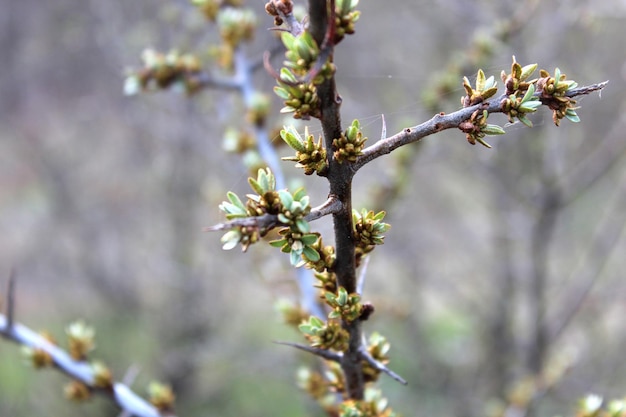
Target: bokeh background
[500, 284]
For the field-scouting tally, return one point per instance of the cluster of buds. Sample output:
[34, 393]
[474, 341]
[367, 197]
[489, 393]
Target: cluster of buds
[313, 383]
[350, 145]
[236, 25]
[310, 155]
[102, 375]
[373, 405]
[80, 339]
[324, 387]
[296, 239]
[298, 245]
[161, 396]
[345, 18]
[278, 8]
[515, 106]
[290, 211]
[258, 109]
[292, 314]
[77, 391]
[39, 357]
[517, 82]
[594, 406]
[243, 142]
[210, 8]
[346, 306]
[553, 93]
[368, 228]
[301, 74]
[325, 335]
[326, 256]
[266, 201]
[476, 127]
[299, 98]
[238, 141]
[301, 54]
[161, 71]
[520, 93]
[327, 282]
[485, 88]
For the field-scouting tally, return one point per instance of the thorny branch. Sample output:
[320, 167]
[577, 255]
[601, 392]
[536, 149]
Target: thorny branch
[444, 121]
[322, 353]
[365, 355]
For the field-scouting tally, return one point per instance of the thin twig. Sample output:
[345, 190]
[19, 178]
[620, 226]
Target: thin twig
[266, 221]
[330, 206]
[360, 283]
[365, 355]
[322, 353]
[269, 221]
[11, 299]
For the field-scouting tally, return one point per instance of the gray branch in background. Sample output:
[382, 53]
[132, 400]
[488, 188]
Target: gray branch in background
[125, 398]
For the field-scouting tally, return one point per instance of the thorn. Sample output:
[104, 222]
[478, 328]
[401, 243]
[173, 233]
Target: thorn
[130, 375]
[365, 355]
[383, 135]
[11, 299]
[361, 279]
[322, 353]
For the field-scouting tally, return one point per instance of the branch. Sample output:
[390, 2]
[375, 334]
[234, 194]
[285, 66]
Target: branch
[444, 121]
[331, 206]
[283, 14]
[365, 355]
[266, 221]
[269, 221]
[206, 80]
[125, 398]
[322, 353]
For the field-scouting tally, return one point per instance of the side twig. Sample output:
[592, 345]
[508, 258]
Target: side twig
[444, 121]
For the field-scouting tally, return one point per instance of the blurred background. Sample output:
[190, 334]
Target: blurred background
[501, 280]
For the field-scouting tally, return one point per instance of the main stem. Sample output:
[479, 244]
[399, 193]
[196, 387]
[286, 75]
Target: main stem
[340, 179]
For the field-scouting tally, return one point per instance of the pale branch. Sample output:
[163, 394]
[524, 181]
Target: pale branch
[243, 76]
[207, 80]
[270, 221]
[360, 283]
[82, 371]
[322, 353]
[444, 121]
[365, 355]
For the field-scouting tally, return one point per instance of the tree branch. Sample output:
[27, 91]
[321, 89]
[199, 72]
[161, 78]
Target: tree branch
[444, 121]
[322, 28]
[269, 221]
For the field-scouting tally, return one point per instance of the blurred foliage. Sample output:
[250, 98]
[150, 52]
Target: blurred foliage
[102, 200]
